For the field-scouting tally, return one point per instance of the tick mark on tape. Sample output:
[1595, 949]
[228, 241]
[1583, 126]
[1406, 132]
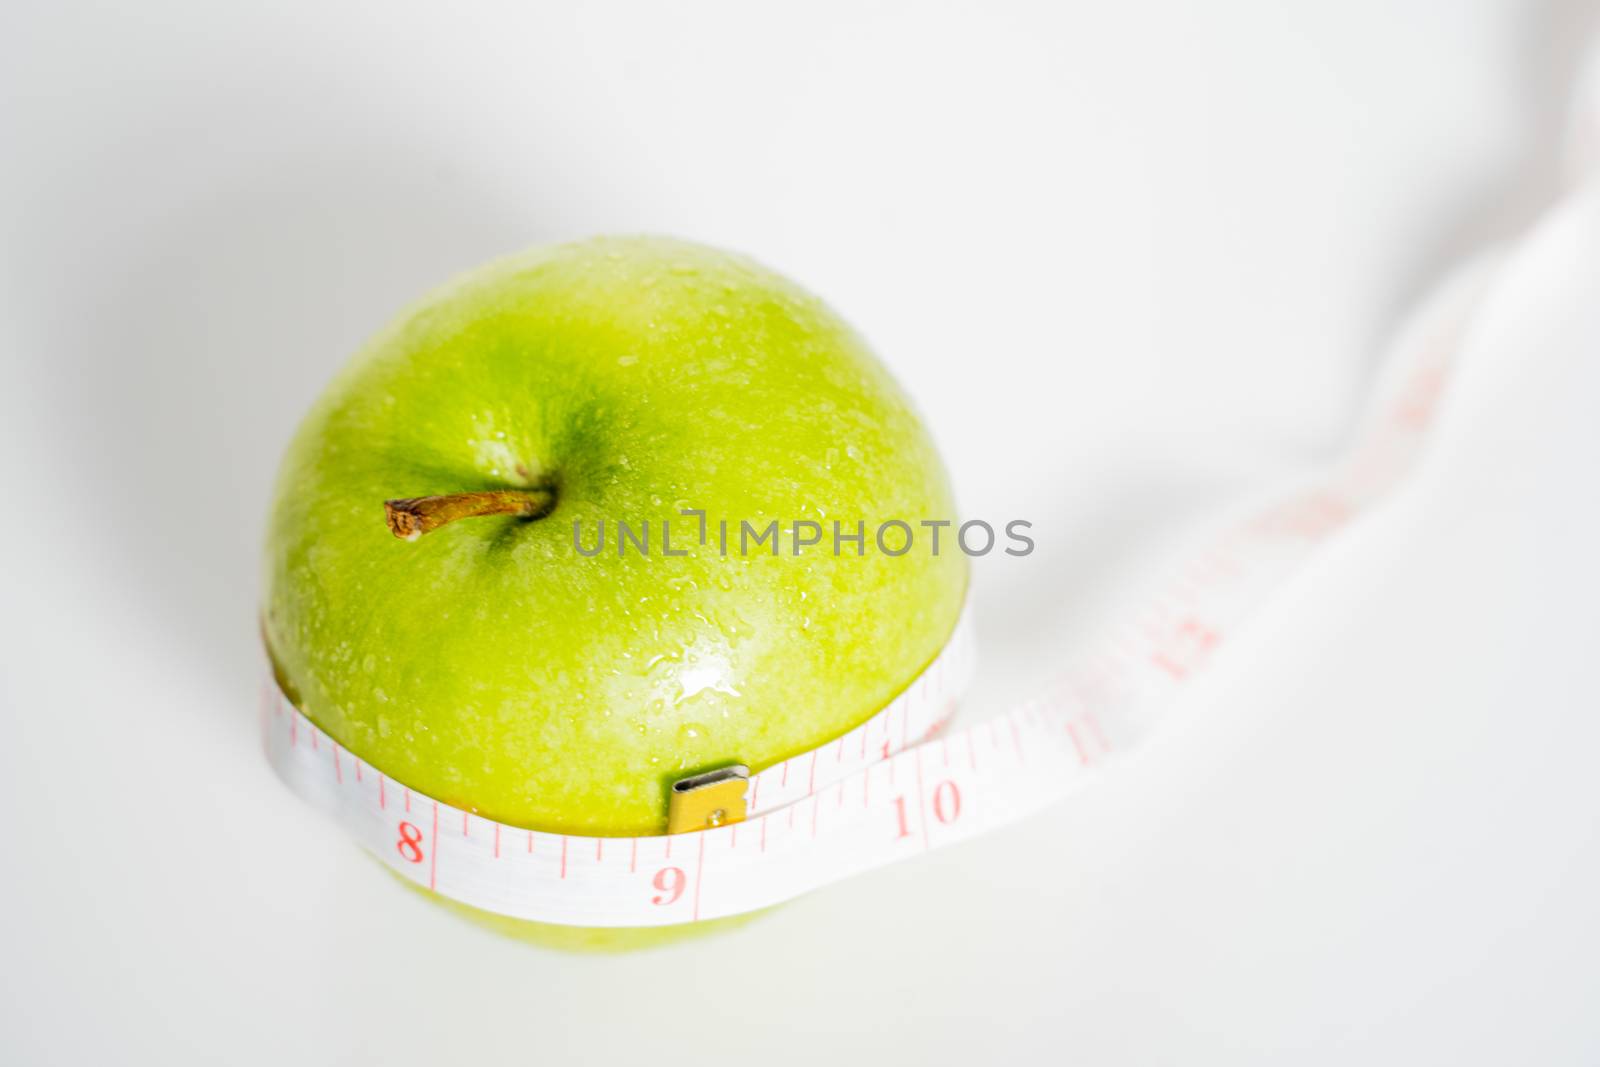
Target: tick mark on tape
[1093, 723]
[433, 850]
[1077, 743]
[699, 875]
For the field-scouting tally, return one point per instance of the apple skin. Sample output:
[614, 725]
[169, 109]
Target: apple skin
[488, 664]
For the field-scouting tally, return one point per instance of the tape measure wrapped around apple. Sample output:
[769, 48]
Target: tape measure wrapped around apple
[511, 721]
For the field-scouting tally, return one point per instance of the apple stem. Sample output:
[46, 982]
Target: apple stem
[412, 517]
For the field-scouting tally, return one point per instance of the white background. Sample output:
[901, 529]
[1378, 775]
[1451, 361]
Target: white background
[1131, 260]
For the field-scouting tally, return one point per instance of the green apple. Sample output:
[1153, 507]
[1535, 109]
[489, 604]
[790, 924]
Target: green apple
[493, 665]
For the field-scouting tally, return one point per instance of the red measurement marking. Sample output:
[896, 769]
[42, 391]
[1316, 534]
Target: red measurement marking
[922, 805]
[699, 871]
[755, 791]
[1421, 394]
[563, 857]
[530, 842]
[946, 802]
[408, 800]
[433, 851]
[733, 836]
[383, 799]
[811, 780]
[410, 844]
[313, 739]
[496, 840]
[838, 757]
[338, 772]
[670, 881]
[466, 831]
[599, 849]
[783, 779]
[1186, 648]
[1093, 722]
[358, 770]
[1077, 743]
[1016, 739]
[294, 731]
[633, 857]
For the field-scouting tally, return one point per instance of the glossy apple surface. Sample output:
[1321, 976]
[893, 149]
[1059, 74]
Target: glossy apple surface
[491, 665]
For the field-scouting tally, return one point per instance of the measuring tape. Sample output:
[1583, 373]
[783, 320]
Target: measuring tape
[902, 782]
